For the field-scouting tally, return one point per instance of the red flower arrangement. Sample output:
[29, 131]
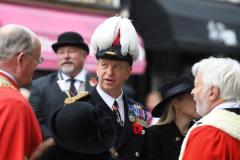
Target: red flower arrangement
[137, 128]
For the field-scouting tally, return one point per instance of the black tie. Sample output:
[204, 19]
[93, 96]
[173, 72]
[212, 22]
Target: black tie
[117, 117]
[73, 91]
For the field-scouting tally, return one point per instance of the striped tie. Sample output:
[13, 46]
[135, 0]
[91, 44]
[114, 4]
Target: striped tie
[73, 91]
[117, 117]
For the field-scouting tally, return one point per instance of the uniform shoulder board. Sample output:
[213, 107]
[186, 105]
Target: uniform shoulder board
[78, 97]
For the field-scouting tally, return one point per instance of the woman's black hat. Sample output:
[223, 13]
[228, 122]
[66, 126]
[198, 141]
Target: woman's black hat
[174, 88]
[70, 38]
[80, 127]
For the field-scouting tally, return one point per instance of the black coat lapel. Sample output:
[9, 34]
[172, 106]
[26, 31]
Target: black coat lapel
[100, 103]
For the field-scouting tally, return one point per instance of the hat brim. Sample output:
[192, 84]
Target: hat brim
[160, 107]
[82, 45]
[114, 53]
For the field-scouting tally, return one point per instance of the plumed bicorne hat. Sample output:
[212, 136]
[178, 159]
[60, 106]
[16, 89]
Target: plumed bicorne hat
[82, 128]
[116, 39]
[72, 39]
[172, 89]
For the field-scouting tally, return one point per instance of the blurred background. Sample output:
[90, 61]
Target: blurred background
[174, 34]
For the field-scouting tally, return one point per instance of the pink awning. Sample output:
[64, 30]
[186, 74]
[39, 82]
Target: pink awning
[48, 24]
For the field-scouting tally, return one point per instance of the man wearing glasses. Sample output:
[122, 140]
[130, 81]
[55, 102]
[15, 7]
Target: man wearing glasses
[19, 56]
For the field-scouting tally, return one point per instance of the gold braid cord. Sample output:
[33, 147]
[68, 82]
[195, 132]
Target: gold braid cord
[73, 99]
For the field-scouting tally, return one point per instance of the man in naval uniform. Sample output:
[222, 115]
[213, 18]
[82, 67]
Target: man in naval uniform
[115, 44]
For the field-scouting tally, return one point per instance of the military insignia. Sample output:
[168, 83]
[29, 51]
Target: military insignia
[73, 99]
[110, 53]
[137, 114]
[131, 118]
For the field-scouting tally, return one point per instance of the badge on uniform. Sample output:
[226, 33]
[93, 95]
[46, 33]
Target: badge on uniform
[138, 117]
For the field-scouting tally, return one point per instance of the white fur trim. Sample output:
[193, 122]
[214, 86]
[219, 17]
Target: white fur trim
[224, 120]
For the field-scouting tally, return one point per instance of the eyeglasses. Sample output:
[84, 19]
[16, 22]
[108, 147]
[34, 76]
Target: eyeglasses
[39, 60]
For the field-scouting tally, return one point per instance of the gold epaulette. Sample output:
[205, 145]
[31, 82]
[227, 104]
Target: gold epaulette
[73, 99]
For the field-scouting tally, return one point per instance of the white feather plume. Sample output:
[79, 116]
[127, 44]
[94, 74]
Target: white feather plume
[105, 34]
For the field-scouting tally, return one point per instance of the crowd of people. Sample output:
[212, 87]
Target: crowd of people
[74, 114]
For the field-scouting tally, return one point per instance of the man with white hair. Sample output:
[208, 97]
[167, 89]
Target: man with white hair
[20, 132]
[217, 94]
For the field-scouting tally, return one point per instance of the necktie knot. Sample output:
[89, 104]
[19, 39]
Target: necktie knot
[115, 106]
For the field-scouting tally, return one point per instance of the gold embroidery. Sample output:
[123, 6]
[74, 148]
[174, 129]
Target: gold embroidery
[76, 98]
[4, 83]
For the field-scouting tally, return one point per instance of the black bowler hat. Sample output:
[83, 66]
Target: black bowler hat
[72, 39]
[82, 128]
[174, 88]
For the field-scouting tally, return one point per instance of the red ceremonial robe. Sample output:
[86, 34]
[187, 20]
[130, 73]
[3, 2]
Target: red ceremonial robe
[217, 137]
[20, 132]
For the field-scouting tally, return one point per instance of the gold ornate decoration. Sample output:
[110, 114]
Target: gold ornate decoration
[4, 83]
[76, 98]
[110, 53]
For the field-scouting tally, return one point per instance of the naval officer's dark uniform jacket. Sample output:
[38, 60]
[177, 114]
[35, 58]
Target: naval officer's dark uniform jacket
[130, 144]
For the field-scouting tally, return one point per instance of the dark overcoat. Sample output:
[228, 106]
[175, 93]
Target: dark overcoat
[163, 142]
[46, 97]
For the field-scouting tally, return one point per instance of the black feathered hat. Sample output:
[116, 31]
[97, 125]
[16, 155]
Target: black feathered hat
[116, 39]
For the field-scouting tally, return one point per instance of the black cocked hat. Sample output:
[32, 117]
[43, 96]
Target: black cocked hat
[173, 88]
[72, 39]
[82, 128]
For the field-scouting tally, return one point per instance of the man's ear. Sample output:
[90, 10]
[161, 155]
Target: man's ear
[213, 93]
[20, 57]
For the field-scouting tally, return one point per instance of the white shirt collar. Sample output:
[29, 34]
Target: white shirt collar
[107, 98]
[9, 75]
[228, 104]
[110, 100]
[81, 76]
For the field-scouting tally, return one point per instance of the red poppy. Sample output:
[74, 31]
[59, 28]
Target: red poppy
[137, 128]
[93, 82]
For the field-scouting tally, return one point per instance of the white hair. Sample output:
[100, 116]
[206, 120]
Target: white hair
[105, 34]
[221, 72]
[14, 39]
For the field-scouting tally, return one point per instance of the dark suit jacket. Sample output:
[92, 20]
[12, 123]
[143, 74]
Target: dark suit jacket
[163, 142]
[46, 97]
[129, 145]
